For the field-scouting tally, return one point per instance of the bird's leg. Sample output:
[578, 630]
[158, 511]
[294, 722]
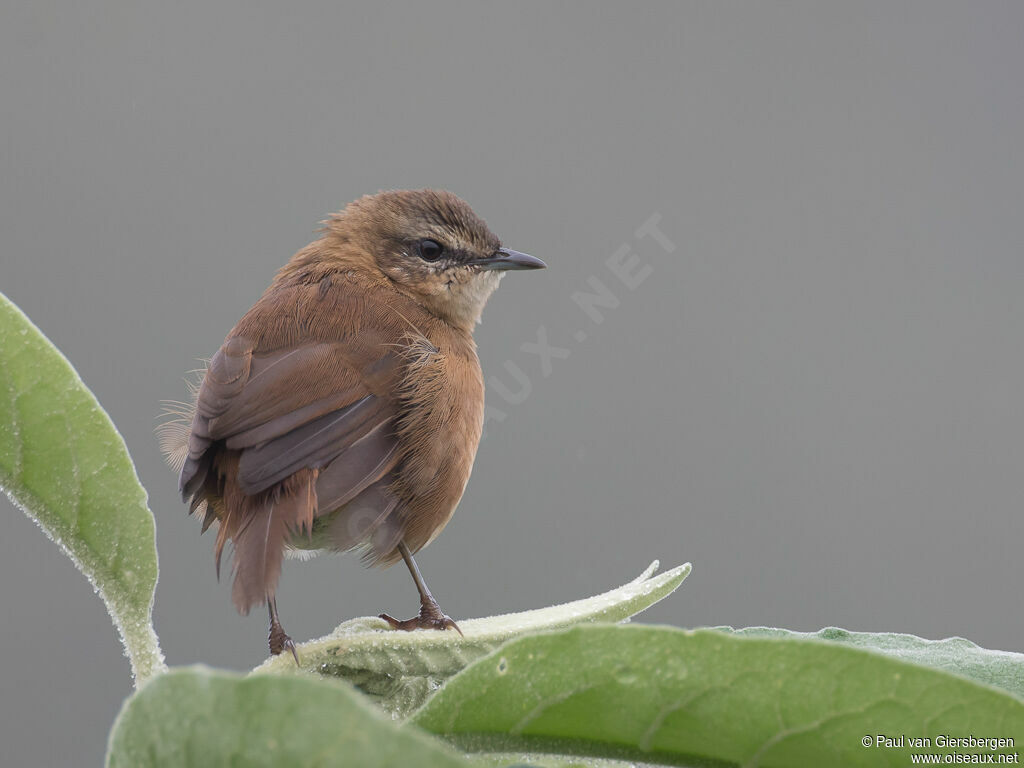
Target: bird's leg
[279, 639]
[430, 616]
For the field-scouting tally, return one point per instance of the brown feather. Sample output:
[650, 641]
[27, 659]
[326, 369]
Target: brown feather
[354, 523]
[349, 397]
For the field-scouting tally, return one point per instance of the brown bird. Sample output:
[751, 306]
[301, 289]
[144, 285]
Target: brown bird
[345, 408]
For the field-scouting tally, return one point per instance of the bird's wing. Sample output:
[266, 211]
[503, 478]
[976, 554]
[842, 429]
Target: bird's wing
[285, 407]
[295, 418]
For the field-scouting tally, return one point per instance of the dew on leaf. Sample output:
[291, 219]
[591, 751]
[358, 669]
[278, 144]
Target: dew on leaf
[625, 675]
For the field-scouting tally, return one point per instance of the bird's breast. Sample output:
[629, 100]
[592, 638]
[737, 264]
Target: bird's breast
[441, 419]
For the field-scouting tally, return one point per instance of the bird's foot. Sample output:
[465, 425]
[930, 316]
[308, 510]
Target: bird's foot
[430, 617]
[280, 641]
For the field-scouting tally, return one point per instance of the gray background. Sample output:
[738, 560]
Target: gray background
[816, 398]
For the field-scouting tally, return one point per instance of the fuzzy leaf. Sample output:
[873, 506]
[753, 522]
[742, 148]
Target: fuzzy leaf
[195, 717]
[401, 669]
[63, 462]
[698, 697]
[1001, 669]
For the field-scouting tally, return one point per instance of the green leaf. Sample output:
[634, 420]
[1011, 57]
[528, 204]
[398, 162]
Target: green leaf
[63, 462]
[401, 669]
[698, 697]
[1001, 669]
[201, 717]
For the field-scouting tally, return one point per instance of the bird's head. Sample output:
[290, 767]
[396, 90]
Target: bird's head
[431, 246]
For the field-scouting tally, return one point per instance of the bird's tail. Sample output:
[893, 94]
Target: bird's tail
[259, 527]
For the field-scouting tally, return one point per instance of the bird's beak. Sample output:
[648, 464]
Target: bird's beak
[505, 258]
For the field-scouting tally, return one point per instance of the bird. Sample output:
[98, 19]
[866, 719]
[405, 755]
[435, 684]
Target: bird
[344, 410]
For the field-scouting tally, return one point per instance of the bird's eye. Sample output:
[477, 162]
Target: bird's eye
[430, 250]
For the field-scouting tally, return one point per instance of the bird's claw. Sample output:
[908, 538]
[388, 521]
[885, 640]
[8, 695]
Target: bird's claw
[430, 617]
[280, 641]
[289, 644]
